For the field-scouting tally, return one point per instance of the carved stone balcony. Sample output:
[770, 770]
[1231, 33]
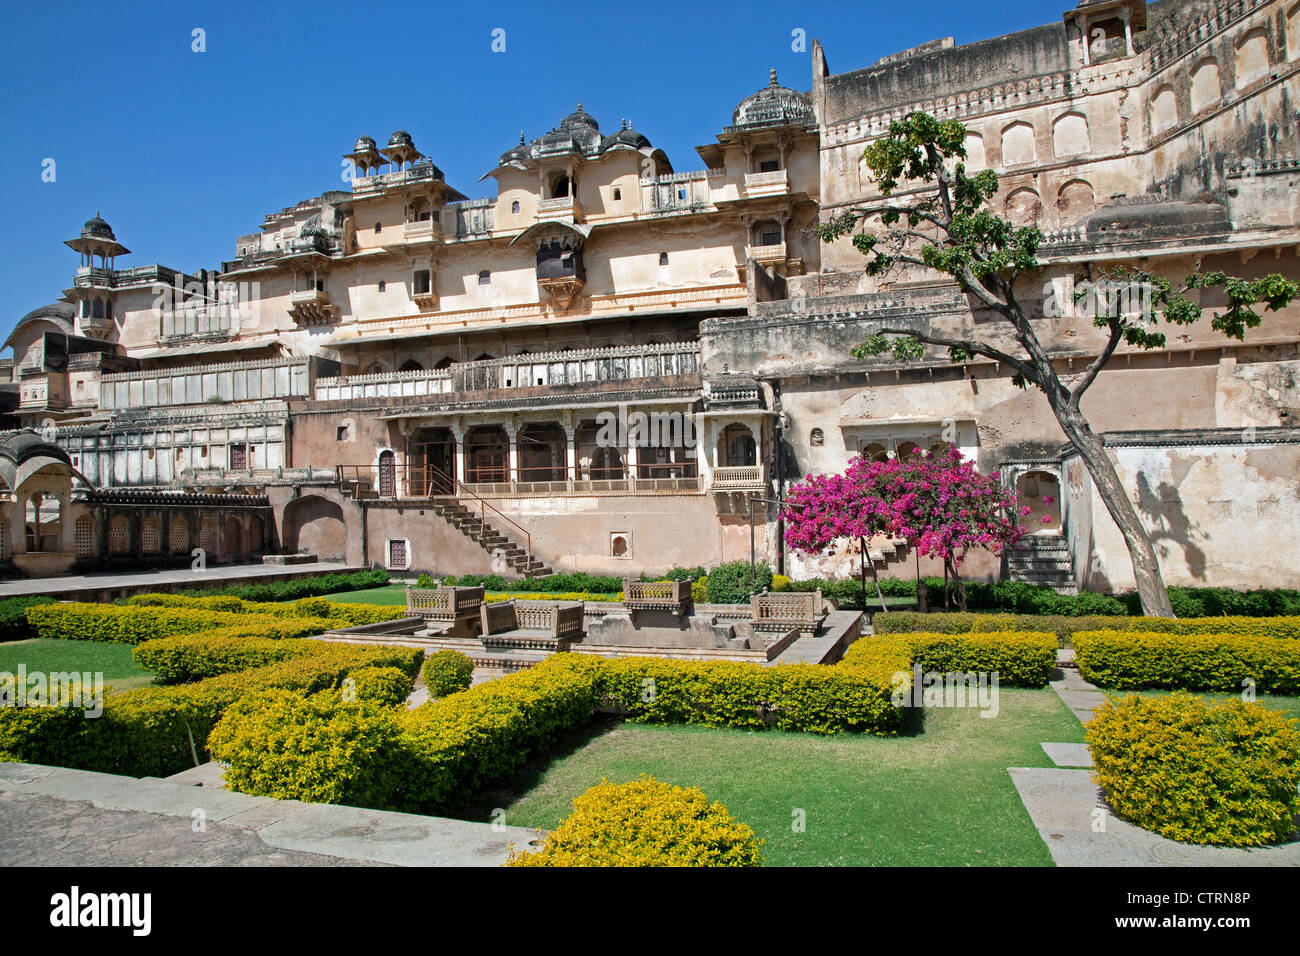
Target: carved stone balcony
[733, 478]
[774, 254]
[424, 230]
[312, 307]
[761, 185]
[560, 209]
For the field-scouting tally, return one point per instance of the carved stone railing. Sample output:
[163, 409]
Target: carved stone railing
[383, 385]
[443, 604]
[779, 612]
[674, 596]
[737, 478]
[557, 620]
[772, 183]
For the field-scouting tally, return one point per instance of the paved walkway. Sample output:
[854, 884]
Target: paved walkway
[1070, 813]
[52, 816]
[75, 586]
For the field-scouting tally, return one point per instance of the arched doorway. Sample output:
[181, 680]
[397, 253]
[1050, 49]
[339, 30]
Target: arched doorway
[736, 447]
[1041, 492]
[387, 474]
[315, 524]
[232, 540]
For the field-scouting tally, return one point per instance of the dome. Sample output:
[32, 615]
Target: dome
[25, 445]
[516, 154]
[579, 118]
[401, 138]
[364, 145]
[774, 105]
[626, 137]
[96, 228]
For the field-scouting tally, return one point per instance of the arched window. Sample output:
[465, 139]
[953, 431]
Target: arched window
[663, 258]
[83, 536]
[178, 537]
[119, 536]
[379, 227]
[816, 438]
[514, 207]
[411, 365]
[150, 537]
[383, 286]
[485, 277]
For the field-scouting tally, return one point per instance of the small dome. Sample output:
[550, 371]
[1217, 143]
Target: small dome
[97, 228]
[626, 137]
[515, 154]
[579, 118]
[365, 144]
[401, 138]
[774, 105]
[25, 445]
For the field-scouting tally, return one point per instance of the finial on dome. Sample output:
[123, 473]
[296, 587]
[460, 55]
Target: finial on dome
[625, 122]
[521, 137]
[773, 82]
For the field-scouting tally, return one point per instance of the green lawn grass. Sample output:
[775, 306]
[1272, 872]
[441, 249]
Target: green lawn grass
[55, 656]
[940, 798]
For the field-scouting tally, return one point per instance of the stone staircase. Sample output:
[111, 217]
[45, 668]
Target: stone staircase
[1043, 559]
[490, 539]
[886, 551]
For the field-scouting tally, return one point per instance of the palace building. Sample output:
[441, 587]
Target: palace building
[398, 375]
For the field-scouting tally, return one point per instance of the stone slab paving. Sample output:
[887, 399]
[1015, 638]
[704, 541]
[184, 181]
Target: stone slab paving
[815, 649]
[1069, 755]
[1065, 805]
[68, 586]
[1081, 697]
[44, 814]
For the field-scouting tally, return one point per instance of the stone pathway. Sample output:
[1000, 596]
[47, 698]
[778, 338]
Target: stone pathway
[52, 816]
[90, 586]
[1070, 812]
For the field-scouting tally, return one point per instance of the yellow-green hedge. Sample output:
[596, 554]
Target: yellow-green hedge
[1228, 662]
[495, 596]
[1020, 658]
[447, 672]
[339, 614]
[645, 823]
[158, 731]
[1222, 774]
[906, 622]
[225, 650]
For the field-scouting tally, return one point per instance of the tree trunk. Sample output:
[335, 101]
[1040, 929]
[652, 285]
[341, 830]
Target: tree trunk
[1146, 570]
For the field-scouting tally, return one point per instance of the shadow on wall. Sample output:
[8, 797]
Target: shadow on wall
[1168, 525]
[315, 524]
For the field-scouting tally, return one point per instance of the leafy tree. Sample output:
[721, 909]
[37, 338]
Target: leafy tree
[944, 224]
[936, 501]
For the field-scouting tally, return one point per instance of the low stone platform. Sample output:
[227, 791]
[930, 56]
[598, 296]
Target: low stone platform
[109, 586]
[52, 816]
[1072, 818]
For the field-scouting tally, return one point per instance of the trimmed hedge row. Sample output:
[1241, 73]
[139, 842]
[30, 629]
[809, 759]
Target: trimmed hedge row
[295, 588]
[337, 612]
[906, 622]
[14, 625]
[225, 650]
[1222, 774]
[434, 758]
[1226, 662]
[158, 731]
[645, 823]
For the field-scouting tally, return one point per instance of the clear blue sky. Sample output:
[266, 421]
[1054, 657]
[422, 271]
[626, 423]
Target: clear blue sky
[182, 152]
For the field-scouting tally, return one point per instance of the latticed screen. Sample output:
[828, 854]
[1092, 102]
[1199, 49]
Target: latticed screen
[397, 553]
[119, 536]
[150, 536]
[84, 536]
[178, 539]
[4, 540]
[208, 535]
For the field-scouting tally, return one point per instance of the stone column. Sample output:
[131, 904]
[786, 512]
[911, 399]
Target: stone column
[571, 454]
[512, 459]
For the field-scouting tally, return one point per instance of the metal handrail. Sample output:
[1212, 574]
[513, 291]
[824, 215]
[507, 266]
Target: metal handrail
[435, 483]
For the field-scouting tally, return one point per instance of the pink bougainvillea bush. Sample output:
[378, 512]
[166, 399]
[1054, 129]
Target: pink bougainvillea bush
[937, 501]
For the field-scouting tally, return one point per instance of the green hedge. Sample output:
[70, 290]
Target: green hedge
[552, 583]
[1020, 658]
[732, 583]
[386, 686]
[1222, 774]
[1215, 602]
[134, 625]
[447, 672]
[1125, 660]
[159, 731]
[14, 625]
[192, 657]
[295, 588]
[906, 622]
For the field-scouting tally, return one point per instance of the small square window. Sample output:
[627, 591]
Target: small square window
[485, 277]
